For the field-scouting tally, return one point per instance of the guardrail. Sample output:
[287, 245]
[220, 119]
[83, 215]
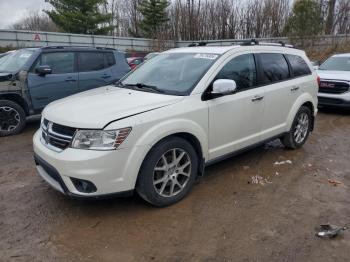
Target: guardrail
[21, 38]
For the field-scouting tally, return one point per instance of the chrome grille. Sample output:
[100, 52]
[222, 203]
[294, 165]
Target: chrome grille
[56, 137]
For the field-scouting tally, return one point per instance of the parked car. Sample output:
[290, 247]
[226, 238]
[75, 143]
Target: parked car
[134, 61]
[157, 129]
[31, 78]
[334, 89]
[151, 55]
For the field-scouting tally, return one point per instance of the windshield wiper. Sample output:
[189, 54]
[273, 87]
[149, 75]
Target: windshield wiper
[144, 86]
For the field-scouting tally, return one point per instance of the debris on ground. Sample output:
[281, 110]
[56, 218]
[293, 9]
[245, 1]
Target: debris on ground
[246, 167]
[277, 174]
[283, 162]
[334, 182]
[330, 231]
[260, 180]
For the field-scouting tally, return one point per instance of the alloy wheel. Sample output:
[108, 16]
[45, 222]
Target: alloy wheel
[9, 118]
[172, 172]
[301, 128]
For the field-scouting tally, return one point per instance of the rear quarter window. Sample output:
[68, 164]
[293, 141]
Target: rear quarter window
[299, 66]
[110, 59]
[91, 61]
[274, 68]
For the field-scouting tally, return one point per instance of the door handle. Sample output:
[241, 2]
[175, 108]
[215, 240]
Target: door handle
[295, 88]
[105, 76]
[257, 98]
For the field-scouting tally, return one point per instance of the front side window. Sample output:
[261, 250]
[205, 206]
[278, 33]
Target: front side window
[242, 70]
[13, 62]
[171, 73]
[299, 66]
[91, 61]
[274, 68]
[60, 62]
[336, 63]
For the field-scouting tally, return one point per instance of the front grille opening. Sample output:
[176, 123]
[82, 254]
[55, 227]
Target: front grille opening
[83, 186]
[333, 87]
[56, 135]
[64, 130]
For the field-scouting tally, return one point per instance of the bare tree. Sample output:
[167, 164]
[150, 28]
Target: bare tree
[35, 21]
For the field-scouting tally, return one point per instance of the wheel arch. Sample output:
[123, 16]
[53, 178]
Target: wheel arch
[195, 143]
[309, 105]
[17, 99]
[185, 129]
[304, 100]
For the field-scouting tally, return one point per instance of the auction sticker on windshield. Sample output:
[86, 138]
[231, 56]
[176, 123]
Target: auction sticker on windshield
[206, 56]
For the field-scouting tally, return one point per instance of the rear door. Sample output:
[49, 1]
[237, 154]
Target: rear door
[94, 70]
[235, 120]
[300, 72]
[62, 82]
[275, 79]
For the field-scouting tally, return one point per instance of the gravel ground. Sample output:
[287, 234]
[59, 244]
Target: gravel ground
[225, 218]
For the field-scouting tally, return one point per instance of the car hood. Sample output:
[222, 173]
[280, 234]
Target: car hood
[334, 75]
[98, 107]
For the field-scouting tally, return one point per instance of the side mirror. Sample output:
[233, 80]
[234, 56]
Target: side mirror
[223, 87]
[43, 70]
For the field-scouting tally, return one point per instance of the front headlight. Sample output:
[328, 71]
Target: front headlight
[100, 139]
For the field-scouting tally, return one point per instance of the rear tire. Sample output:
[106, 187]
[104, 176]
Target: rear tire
[300, 129]
[12, 118]
[168, 172]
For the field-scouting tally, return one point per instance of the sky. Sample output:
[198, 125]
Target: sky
[13, 10]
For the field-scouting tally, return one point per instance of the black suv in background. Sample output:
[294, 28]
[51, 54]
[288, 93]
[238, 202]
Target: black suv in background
[31, 78]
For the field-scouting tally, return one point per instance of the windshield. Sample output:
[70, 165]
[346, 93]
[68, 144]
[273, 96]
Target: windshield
[171, 73]
[336, 64]
[13, 62]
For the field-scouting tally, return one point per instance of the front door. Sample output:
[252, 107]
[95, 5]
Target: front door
[235, 120]
[62, 82]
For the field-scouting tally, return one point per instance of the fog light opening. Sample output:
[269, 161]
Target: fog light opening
[83, 186]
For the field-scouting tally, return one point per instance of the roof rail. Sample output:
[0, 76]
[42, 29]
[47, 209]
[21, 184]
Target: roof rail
[198, 44]
[256, 42]
[250, 42]
[76, 46]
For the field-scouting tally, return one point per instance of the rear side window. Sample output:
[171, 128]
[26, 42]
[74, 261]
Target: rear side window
[241, 69]
[91, 61]
[299, 66]
[60, 62]
[110, 59]
[274, 68]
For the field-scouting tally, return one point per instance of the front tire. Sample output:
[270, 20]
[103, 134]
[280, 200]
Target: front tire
[168, 172]
[300, 129]
[12, 118]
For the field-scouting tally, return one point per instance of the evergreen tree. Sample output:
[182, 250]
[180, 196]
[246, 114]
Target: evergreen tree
[79, 16]
[154, 16]
[305, 20]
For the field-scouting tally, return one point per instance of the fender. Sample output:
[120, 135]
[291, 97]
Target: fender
[304, 98]
[171, 127]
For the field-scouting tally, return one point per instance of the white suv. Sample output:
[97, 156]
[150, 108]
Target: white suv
[157, 129]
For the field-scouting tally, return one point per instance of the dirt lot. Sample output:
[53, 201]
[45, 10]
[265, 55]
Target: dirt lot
[225, 218]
